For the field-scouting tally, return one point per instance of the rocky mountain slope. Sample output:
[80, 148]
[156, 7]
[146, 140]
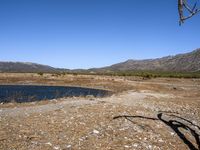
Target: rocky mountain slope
[25, 67]
[189, 62]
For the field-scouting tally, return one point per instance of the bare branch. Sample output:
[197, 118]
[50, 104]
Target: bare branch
[187, 6]
[192, 14]
[180, 10]
[183, 6]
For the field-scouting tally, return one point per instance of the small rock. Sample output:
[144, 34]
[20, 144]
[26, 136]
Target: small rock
[172, 133]
[135, 145]
[48, 143]
[149, 146]
[56, 147]
[69, 146]
[95, 131]
[126, 146]
[34, 142]
[160, 140]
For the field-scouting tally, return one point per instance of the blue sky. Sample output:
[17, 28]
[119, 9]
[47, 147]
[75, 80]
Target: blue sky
[93, 33]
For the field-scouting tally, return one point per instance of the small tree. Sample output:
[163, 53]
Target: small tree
[185, 7]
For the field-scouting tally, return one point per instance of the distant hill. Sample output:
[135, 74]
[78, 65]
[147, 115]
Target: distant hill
[26, 67]
[189, 62]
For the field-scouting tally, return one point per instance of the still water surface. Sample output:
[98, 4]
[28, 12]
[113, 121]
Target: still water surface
[30, 93]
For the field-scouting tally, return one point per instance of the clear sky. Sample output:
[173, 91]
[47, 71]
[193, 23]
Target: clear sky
[93, 33]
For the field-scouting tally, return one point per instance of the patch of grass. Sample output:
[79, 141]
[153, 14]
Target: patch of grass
[145, 74]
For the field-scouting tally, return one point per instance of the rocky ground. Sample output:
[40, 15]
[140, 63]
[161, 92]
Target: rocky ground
[157, 114]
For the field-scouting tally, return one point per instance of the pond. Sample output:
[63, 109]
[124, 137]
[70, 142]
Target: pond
[30, 93]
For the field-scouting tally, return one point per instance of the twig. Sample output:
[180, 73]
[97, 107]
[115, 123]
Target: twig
[182, 4]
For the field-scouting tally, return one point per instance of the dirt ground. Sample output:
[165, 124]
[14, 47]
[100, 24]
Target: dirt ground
[152, 114]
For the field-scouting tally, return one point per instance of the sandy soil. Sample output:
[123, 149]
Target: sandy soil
[157, 114]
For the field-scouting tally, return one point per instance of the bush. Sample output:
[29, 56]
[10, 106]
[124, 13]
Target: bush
[40, 73]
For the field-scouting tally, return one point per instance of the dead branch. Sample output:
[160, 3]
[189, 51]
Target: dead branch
[183, 6]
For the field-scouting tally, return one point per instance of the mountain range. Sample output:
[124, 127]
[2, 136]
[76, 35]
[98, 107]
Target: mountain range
[27, 67]
[188, 62]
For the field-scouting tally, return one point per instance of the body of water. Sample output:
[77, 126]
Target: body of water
[30, 93]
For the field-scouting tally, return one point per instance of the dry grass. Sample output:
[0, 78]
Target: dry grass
[82, 123]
